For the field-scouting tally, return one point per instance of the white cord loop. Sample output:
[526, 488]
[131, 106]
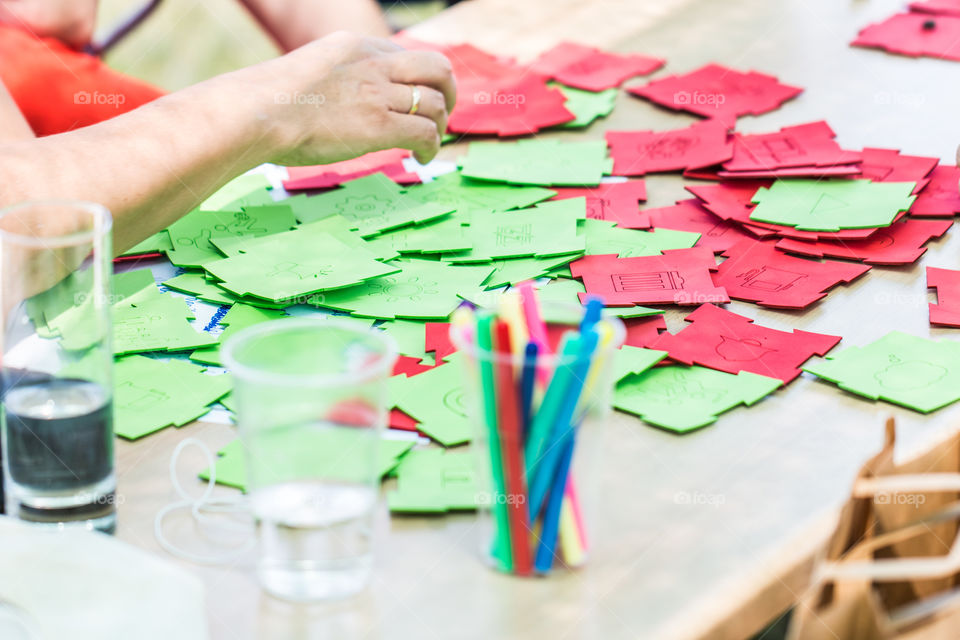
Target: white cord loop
[203, 509]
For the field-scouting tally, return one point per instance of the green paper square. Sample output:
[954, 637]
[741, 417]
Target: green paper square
[239, 317]
[455, 191]
[538, 162]
[918, 373]
[603, 237]
[435, 481]
[152, 394]
[372, 204]
[191, 235]
[547, 230]
[511, 272]
[682, 399]
[449, 234]
[341, 453]
[587, 106]
[156, 243]
[295, 264]
[421, 290]
[435, 398]
[831, 205]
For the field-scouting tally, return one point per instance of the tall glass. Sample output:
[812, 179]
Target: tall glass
[311, 401]
[57, 417]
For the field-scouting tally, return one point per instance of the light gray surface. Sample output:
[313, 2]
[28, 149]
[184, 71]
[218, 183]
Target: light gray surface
[764, 473]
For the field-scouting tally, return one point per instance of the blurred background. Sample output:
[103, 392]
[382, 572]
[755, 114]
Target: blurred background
[186, 41]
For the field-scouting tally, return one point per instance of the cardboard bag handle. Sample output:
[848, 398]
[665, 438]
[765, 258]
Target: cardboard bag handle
[898, 569]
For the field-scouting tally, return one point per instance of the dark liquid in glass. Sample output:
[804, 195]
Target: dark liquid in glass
[59, 440]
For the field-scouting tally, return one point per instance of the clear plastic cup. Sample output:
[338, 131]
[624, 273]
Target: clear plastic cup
[558, 469]
[311, 400]
[55, 269]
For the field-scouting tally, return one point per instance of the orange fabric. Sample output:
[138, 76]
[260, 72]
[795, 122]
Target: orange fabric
[59, 89]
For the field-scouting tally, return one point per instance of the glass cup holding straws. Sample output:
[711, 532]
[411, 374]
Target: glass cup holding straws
[57, 428]
[539, 384]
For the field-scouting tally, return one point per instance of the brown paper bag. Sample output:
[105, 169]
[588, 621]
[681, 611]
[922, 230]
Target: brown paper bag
[906, 513]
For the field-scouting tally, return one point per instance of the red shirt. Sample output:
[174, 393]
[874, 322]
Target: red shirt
[58, 89]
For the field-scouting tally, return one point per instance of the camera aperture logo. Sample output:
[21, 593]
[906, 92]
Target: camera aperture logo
[699, 98]
[699, 498]
[297, 98]
[504, 98]
[97, 98]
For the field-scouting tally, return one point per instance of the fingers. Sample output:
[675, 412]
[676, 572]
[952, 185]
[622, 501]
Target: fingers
[427, 68]
[417, 134]
[432, 105]
[958, 156]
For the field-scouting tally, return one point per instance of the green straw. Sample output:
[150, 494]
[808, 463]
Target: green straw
[501, 545]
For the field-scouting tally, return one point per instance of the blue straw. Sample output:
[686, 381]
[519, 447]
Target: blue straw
[592, 314]
[546, 467]
[551, 519]
[527, 379]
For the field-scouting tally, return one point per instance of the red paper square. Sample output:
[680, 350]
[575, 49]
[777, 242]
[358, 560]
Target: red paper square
[400, 420]
[437, 339]
[516, 105]
[888, 165]
[803, 145]
[946, 311]
[636, 153]
[689, 215]
[941, 196]
[591, 69]
[757, 272]
[725, 341]
[900, 243]
[907, 34]
[410, 366]
[679, 276]
[810, 171]
[718, 92]
[326, 176]
[945, 7]
[643, 332]
[614, 201]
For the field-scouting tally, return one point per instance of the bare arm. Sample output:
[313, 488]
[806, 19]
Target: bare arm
[334, 99]
[294, 23]
[13, 126]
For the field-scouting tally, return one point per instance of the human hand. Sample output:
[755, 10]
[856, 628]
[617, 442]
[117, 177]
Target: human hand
[345, 95]
[70, 21]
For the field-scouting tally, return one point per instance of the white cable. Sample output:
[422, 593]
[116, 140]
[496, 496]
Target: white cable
[201, 508]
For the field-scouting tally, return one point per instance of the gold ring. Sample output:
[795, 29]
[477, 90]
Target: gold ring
[414, 99]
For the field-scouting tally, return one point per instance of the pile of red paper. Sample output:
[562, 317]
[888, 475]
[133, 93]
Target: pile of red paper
[498, 96]
[930, 28]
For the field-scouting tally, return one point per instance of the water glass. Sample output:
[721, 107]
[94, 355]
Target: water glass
[311, 399]
[57, 416]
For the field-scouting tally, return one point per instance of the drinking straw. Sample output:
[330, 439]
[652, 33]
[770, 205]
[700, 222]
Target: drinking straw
[536, 327]
[527, 379]
[511, 312]
[596, 370]
[550, 405]
[574, 552]
[509, 430]
[562, 425]
[592, 314]
[538, 330]
[551, 518]
[501, 544]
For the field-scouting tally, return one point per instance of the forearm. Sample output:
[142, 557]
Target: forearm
[294, 23]
[13, 126]
[152, 165]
